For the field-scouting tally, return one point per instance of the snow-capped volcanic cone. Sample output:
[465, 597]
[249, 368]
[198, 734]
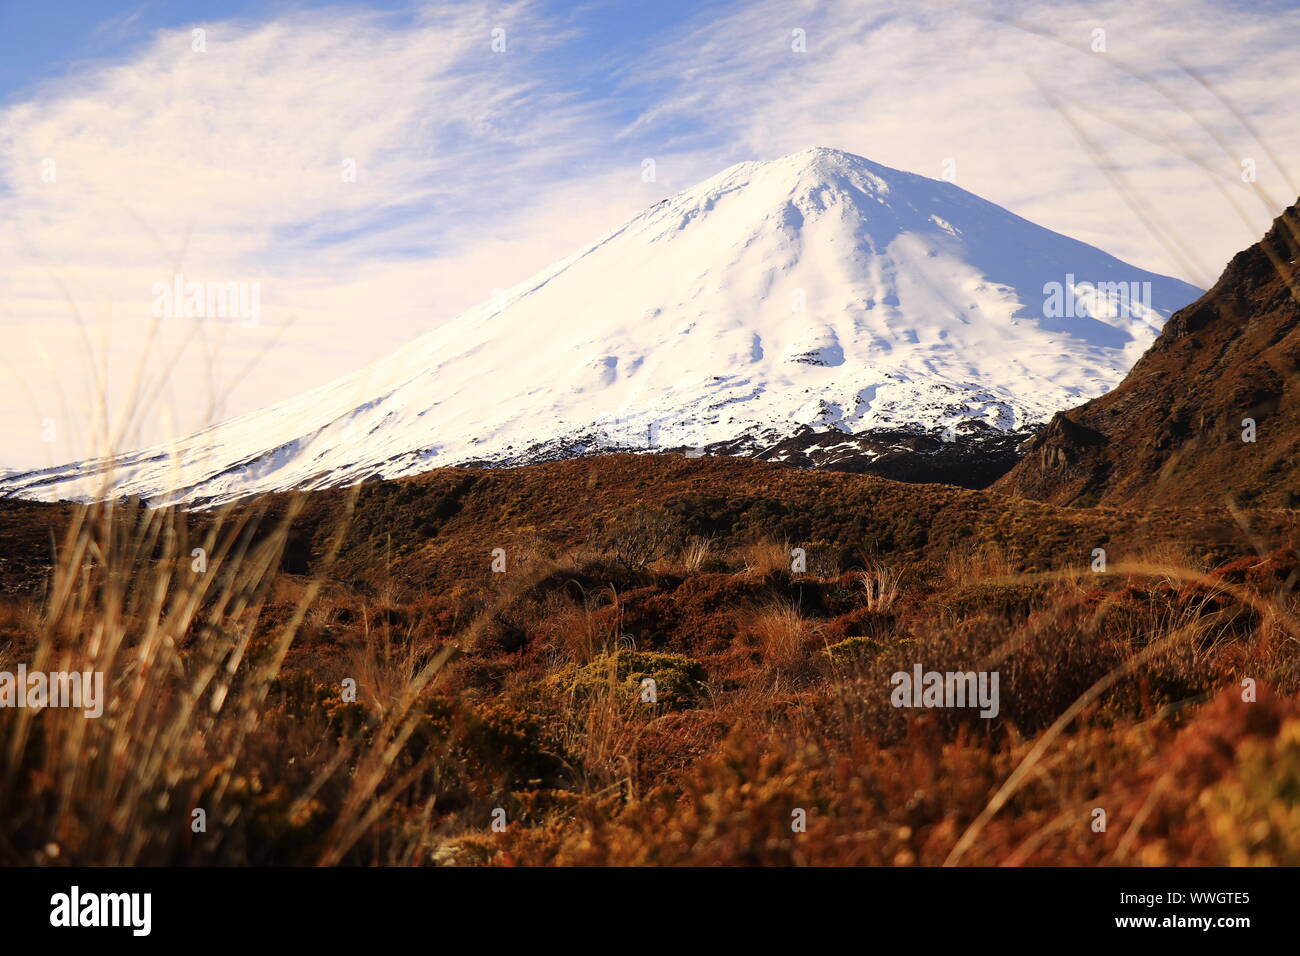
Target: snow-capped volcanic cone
[819, 289]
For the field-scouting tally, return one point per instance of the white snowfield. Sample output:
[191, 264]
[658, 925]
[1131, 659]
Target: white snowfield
[818, 289]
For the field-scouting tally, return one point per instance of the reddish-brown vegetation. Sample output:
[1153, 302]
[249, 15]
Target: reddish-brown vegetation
[650, 680]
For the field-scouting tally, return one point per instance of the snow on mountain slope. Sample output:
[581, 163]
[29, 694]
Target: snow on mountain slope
[818, 289]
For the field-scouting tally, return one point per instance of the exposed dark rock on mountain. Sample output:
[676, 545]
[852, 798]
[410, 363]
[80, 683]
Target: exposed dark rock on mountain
[1179, 429]
[971, 456]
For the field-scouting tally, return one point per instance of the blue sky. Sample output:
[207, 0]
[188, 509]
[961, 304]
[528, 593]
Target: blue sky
[590, 55]
[125, 156]
[48, 40]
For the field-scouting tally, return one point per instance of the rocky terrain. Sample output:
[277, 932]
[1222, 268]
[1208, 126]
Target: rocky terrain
[1209, 415]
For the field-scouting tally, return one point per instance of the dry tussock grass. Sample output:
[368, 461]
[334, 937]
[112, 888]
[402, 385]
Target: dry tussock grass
[765, 558]
[881, 587]
[784, 636]
[695, 555]
[977, 563]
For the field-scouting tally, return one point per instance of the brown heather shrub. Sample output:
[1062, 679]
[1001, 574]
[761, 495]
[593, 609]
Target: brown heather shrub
[640, 535]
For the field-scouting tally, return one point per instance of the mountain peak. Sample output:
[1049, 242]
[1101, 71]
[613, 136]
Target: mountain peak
[823, 157]
[835, 165]
[814, 164]
[818, 290]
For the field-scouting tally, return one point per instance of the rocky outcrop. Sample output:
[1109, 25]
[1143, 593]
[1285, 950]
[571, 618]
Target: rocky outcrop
[1211, 413]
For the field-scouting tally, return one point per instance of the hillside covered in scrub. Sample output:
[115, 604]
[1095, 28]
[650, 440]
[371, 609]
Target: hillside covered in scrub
[440, 528]
[453, 669]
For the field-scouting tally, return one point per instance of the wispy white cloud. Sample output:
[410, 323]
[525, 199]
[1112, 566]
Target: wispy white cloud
[222, 156]
[1011, 95]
